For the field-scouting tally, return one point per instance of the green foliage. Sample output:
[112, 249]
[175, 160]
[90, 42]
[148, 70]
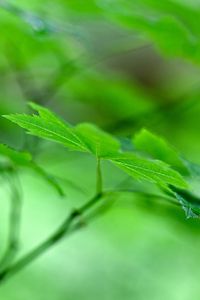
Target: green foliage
[173, 27]
[11, 160]
[152, 171]
[87, 137]
[47, 125]
[189, 202]
[98, 142]
[84, 137]
[113, 97]
[158, 148]
[14, 158]
[117, 65]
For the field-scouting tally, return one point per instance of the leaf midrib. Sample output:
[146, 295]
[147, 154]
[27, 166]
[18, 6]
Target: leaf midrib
[52, 132]
[128, 166]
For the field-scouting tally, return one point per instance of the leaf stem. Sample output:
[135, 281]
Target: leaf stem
[14, 223]
[57, 236]
[99, 179]
[70, 224]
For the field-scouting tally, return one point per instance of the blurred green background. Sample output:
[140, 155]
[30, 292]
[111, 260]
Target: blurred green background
[122, 65]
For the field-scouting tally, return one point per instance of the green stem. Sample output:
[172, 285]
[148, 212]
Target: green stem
[57, 236]
[99, 179]
[170, 199]
[14, 223]
[68, 226]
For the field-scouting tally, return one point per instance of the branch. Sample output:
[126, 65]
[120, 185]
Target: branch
[99, 179]
[56, 237]
[14, 223]
[170, 199]
[71, 224]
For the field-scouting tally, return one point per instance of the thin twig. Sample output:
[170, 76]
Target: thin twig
[143, 193]
[70, 225]
[63, 230]
[58, 235]
[14, 222]
[99, 180]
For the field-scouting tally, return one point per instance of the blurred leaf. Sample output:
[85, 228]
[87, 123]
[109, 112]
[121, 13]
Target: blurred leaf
[113, 97]
[193, 168]
[158, 148]
[15, 157]
[37, 23]
[171, 26]
[84, 7]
